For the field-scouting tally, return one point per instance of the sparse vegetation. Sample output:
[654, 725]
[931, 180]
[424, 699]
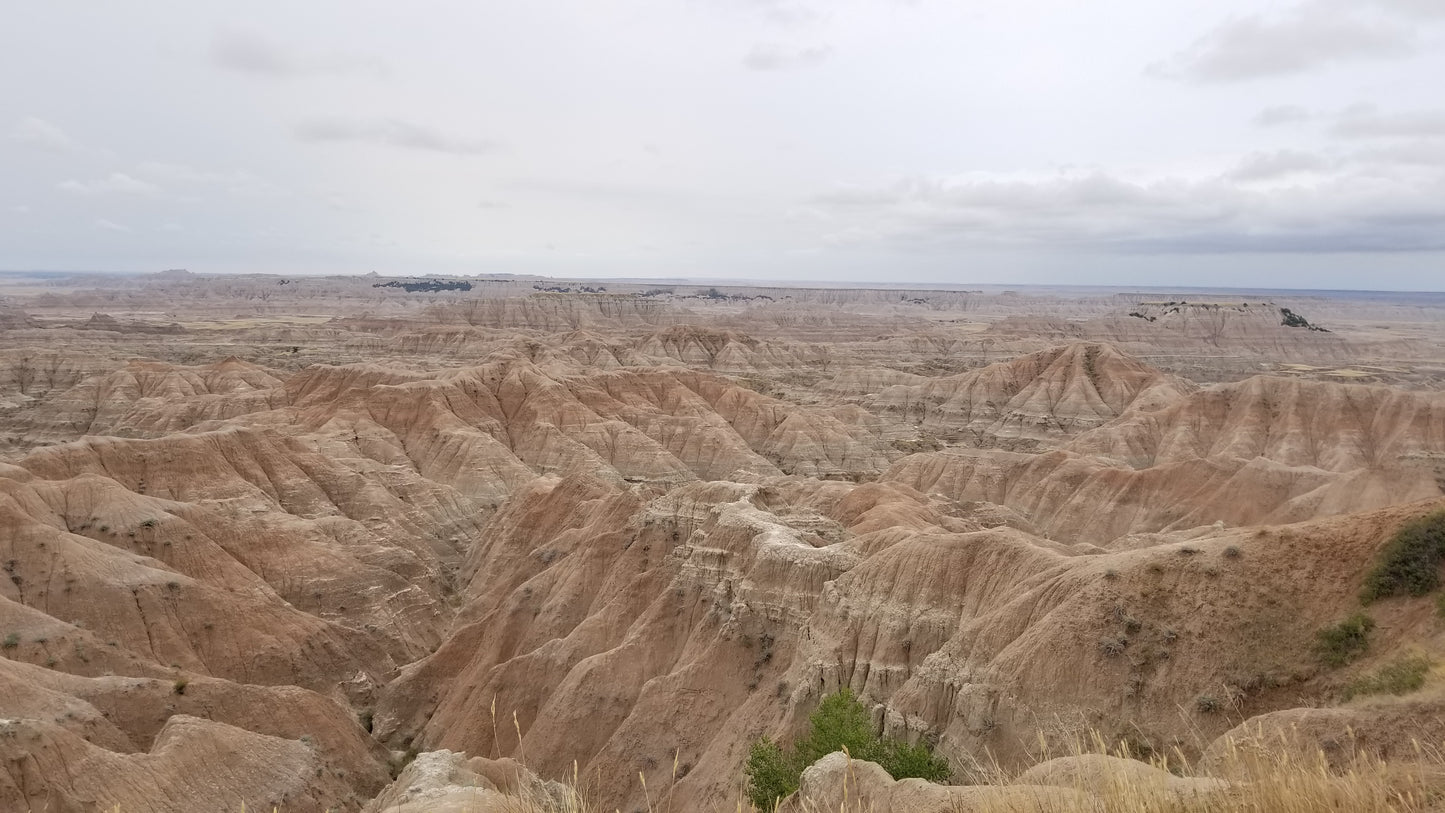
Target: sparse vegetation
[1113, 645]
[1397, 677]
[840, 723]
[179, 687]
[1262, 777]
[426, 286]
[1346, 641]
[1289, 318]
[1410, 562]
[11, 641]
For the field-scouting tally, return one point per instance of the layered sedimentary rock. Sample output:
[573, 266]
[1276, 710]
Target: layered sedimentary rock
[1266, 450]
[1036, 398]
[271, 557]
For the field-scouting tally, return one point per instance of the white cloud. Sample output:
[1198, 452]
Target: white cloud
[41, 134]
[239, 182]
[111, 225]
[117, 183]
[21, 209]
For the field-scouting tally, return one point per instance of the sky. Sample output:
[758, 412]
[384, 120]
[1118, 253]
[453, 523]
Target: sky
[1132, 142]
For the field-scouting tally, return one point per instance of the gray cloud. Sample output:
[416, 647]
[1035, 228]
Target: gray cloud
[255, 126]
[772, 57]
[391, 133]
[1279, 114]
[111, 225]
[1411, 155]
[1266, 166]
[1366, 121]
[252, 53]
[1336, 211]
[41, 134]
[782, 12]
[1307, 36]
[1420, 9]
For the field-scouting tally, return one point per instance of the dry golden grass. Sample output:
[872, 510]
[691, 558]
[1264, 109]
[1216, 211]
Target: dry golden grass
[1252, 777]
[1255, 777]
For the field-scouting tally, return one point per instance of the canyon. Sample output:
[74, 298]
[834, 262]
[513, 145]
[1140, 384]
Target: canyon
[345, 543]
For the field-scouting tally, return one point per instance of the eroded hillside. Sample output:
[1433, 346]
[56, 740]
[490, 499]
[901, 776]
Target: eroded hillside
[266, 549]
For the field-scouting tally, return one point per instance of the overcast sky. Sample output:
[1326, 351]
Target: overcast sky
[1269, 144]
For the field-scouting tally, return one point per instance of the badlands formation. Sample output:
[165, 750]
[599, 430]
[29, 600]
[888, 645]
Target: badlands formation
[338, 543]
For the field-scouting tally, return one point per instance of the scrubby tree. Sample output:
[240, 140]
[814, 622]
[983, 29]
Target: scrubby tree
[840, 723]
[1410, 562]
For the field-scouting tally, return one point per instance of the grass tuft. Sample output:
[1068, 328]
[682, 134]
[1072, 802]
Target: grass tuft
[1346, 641]
[1397, 677]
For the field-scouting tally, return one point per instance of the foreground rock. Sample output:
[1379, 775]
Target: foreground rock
[837, 782]
[449, 782]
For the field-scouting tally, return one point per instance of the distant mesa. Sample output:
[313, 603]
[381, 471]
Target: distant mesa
[104, 321]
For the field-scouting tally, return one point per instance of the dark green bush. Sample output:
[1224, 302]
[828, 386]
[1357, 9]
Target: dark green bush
[1410, 562]
[1339, 644]
[903, 761]
[840, 723]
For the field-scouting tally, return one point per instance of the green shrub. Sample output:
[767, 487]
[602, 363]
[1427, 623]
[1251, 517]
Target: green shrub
[1397, 677]
[772, 774]
[840, 723]
[11, 641]
[1344, 642]
[1410, 562]
[904, 761]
